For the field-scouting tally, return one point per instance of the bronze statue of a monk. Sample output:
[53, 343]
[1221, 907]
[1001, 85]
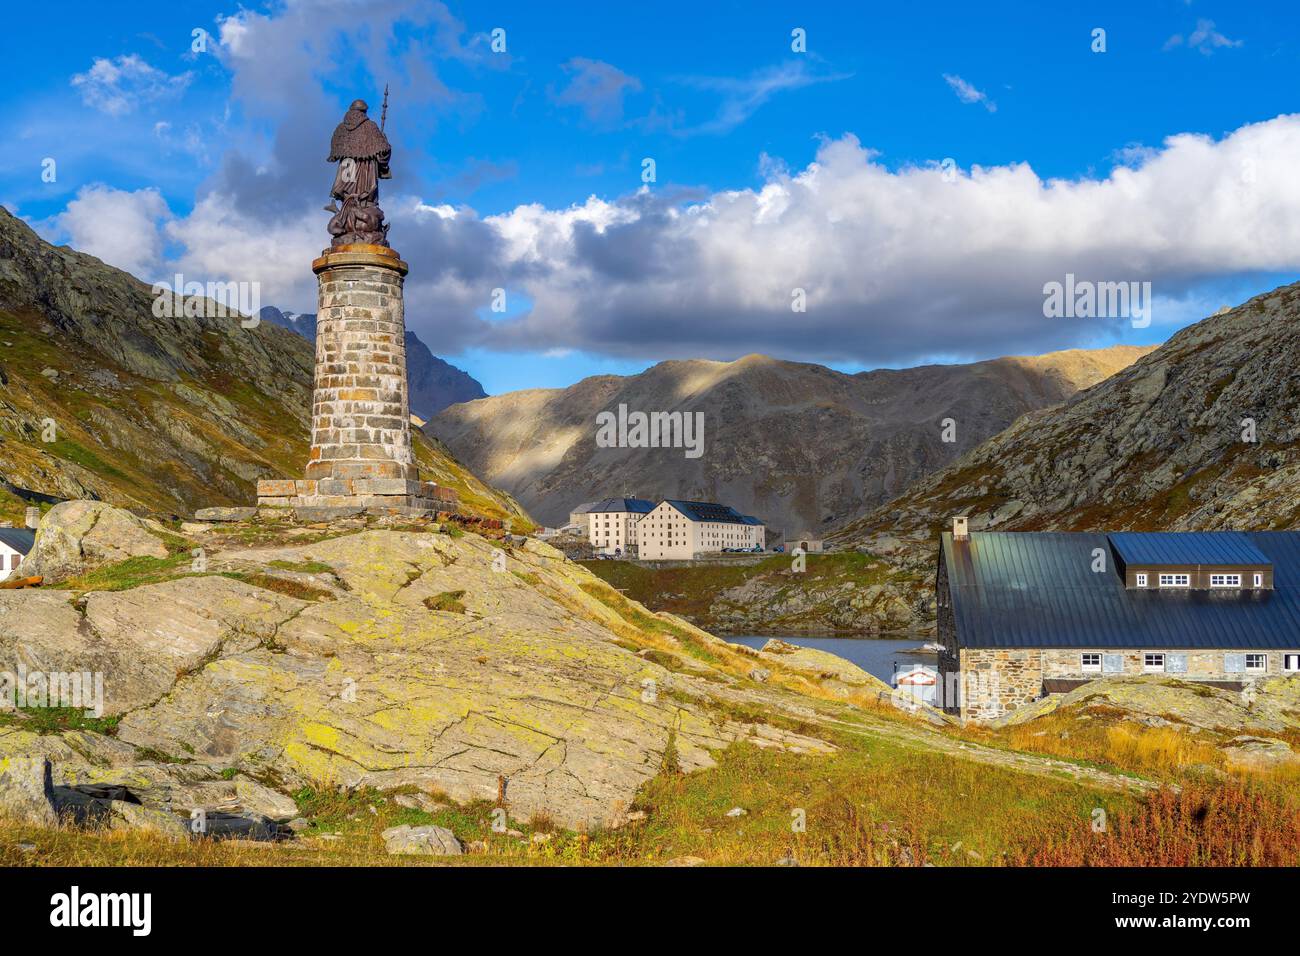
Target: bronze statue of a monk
[362, 151]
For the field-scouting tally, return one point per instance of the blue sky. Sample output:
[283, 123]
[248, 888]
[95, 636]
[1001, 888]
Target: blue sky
[775, 168]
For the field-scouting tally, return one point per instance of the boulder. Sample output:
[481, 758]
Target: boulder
[234, 797]
[224, 514]
[821, 664]
[1259, 752]
[142, 639]
[78, 536]
[419, 801]
[133, 816]
[26, 791]
[421, 841]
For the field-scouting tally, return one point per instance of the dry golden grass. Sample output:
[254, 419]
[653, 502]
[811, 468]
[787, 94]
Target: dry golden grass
[1101, 736]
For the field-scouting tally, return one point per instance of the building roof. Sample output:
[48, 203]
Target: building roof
[750, 519]
[635, 505]
[1038, 589]
[1187, 548]
[707, 511]
[20, 539]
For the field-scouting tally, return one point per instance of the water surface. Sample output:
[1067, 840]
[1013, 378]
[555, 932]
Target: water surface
[872, 654]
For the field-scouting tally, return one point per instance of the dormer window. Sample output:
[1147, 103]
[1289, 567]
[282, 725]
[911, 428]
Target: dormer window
[1226, 580]
[1141, 579]
[1175, 580]
[1259, 580]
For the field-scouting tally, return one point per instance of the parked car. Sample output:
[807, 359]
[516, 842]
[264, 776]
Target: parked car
[779, 549]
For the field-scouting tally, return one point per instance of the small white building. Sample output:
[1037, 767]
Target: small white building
[613, 523]
[681, 530]
[15, 543]
[807, 543]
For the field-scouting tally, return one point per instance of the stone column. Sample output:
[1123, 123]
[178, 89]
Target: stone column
[361, 453]
[361, 425]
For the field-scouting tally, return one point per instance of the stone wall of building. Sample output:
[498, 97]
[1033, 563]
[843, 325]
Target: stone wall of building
[997, 680]
[1205, 665]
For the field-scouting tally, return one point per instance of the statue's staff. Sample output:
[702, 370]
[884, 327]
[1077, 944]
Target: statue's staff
[383, 113]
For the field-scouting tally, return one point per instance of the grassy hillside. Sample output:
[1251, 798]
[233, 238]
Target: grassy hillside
[99, 398]
[878, 800]
[848, 591]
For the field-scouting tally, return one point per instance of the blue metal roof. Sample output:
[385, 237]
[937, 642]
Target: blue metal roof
[707, 511]
[634, 505]
[20, 539]
[750, 519]
[1187, 548]
[1037, 589]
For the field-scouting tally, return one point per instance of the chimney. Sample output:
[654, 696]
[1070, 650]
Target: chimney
[33, 517]
[959, 532]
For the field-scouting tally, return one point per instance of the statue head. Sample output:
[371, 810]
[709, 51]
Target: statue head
[358, 105]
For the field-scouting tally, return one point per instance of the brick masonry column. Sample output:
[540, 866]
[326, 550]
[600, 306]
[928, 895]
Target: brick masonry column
[361, 426]
[361, 455]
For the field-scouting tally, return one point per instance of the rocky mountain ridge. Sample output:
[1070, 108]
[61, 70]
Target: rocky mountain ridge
[802, 446]
[1200, 434]
[101, 398]
[432, 382]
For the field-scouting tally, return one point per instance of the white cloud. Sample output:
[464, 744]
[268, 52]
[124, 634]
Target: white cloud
[597, 88]
[1204, 38]
[119, 227]
[121, 85]
[901, 264]
[897, 265]
[743, 96]
[967, 93]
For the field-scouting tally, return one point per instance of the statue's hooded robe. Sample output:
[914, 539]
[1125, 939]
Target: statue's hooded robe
[362, 151]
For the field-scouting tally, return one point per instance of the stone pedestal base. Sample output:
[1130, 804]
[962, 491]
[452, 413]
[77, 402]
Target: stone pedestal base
[403, 495]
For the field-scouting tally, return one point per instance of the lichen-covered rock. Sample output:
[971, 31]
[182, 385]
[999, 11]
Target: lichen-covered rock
[821, 663]
[421, 841]
[138, 641]
[224, 514]
[26, 792]
[1259, 752]
[1159, 700]
[77, 536]
[133, 816]
[530, 682]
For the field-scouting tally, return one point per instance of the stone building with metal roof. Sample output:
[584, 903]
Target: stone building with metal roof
[1023, 614]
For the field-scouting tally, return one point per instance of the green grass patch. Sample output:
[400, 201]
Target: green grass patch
[285, 586]
[54, 720]
[692, 591]
[446, 601]
[131, 573]
[305, 567]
